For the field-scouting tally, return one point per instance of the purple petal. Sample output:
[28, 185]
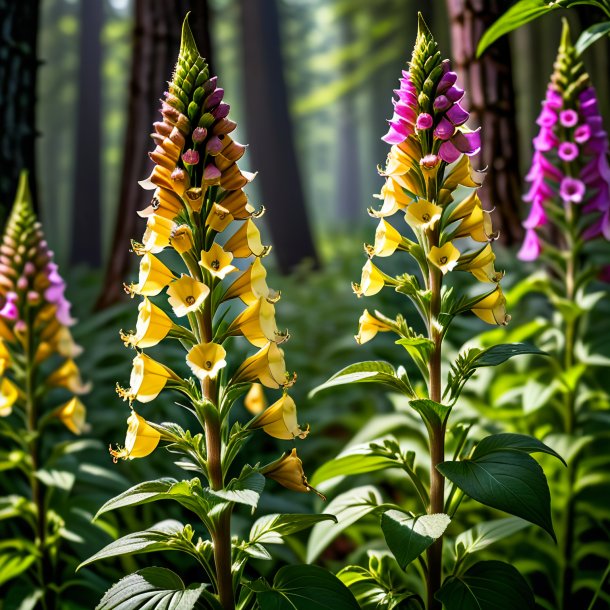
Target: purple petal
[457, 115]
[468, 143]
[455, 94]
[530, 250]
[447, 80]
[537, 215]
[441, 103]
[448, 152]
[444, 130]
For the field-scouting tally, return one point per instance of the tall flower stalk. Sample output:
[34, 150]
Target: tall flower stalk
[39, 386]
[210, 290]
[431, 212]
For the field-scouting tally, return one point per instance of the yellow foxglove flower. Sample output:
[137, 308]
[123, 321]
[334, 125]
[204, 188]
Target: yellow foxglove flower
[206, 360]
[164, 203]
[63, 342]
[251, 285]
[394, 199]
[387, 239]
[481, 265]
[280, 420]
[372, 281]
[181, 239]
[461, 174]
[246, 241]
[141, 439]
[266, 366]
[5, 357]
[445, 258]
[166, 179]
[477, 226]
[68, 376]
[257, 324]
[152, 326]
[153, 278]
[492, 308]
[72, 414]
[465, 208]
[255, 400]
[422, 215]
[8, 396]
[217, 261]
[236, 202]
[288, 471]
[186, 295]
[219, 218]
[369, 326]
[158, 233]
[148, 378]
[194, 197]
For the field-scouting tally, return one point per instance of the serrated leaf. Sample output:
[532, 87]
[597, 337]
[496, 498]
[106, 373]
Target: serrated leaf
[408, 537]
[348, 508]
[157, 588]
[154, 538]
[305, 587]
[487, 584]
[271, 529]
[482, 535]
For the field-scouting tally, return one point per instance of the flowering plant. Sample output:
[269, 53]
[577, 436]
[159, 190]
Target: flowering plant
[40, 385]
[429, 181]
[198, 200]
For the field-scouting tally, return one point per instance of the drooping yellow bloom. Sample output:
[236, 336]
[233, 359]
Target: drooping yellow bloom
[164, 203]
[246, 241]
[388, 240]
[219, 218]
[266, 366]
[255, 400]
[72, 414]
[445, 258]
[464, 208]
[257, 324]
[68, 376]
[477, 226]
[206, 360]
[481, 265]
[372, 281]
[194, 198]
[152, 326]
[186, 295]
[251, 285]
[158, 234]
[181, 239]
[369, 326]
[8, 396]
[165, 179]
[236, 202]
[492, 308]
[394, 199]
[5, 357]
[422, 215]
[148, 378]
[153, 278]
[280, 420]
[217, 261]
[461, 174]
[141, 439]
[63, 342]
[288, 471]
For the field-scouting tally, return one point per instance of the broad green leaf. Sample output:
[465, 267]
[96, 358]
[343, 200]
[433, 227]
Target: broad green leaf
[149, 588]
[305, 587]
[348, 508]
[62, 479]
[517, 15]
[271, 529]
[408, 537]
[246, 489]
[482, 535]
[154, 538]
[433, 413]
[497, 354]
[365, 372]
[486, 585]
[503, 475]
[14, 562]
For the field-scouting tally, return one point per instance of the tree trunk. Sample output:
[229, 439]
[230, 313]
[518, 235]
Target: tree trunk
[269, 131]
[488, 82]
[157, 31]
[18, 67]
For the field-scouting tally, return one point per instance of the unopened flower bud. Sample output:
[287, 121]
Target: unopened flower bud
[211, 174]
[190, 157]
[441, 103]
[210, 85]
[429, 161]
[424, 121]
[20, 327]
[33, 297]
[199, 134]
[214, 99]
[214, 146]
[221, 111]
[22, 283]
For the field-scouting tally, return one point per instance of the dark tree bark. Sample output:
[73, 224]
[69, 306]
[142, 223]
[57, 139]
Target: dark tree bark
[269, 131]
[157, 31]
[488, 82]
[18, 68]
[86, 241]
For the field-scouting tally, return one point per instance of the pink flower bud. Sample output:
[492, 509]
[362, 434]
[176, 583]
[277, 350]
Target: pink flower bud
[22, 283]
[429, 161]
[29, 269]
[9, 311]
[178, 175]
[211, 174]
[190, 157]
[424, 121]
[33, 297]
[20, 327]
[214, 146]
[214, 99]
[199, 134]
[221, 111]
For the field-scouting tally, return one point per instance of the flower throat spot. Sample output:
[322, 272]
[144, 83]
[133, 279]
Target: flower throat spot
[190, 300]
[215, 265]
[208, 364]
[443, 260]
[426, 217]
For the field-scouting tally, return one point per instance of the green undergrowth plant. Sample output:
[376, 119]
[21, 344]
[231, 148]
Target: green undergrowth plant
[430, 183]
[201, 233]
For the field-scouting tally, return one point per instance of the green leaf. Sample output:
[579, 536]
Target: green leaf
[61, 479]
[501, 474]
[14, 562]
[155, 538]
[482, 535]
[157, 588]
[271, 529]
[231, 394]
[498, 354]
[408, 537]
[17, 506]
[348, 508]
[433, 413]
[365, 372]
[246, 489]
[305, 587]
[487, 584]
[591, 35]
[517, 15]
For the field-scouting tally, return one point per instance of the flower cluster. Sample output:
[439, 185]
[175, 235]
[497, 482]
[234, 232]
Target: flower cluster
[36, 346]
[569, 176]
[200, 212]
[428, 161]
